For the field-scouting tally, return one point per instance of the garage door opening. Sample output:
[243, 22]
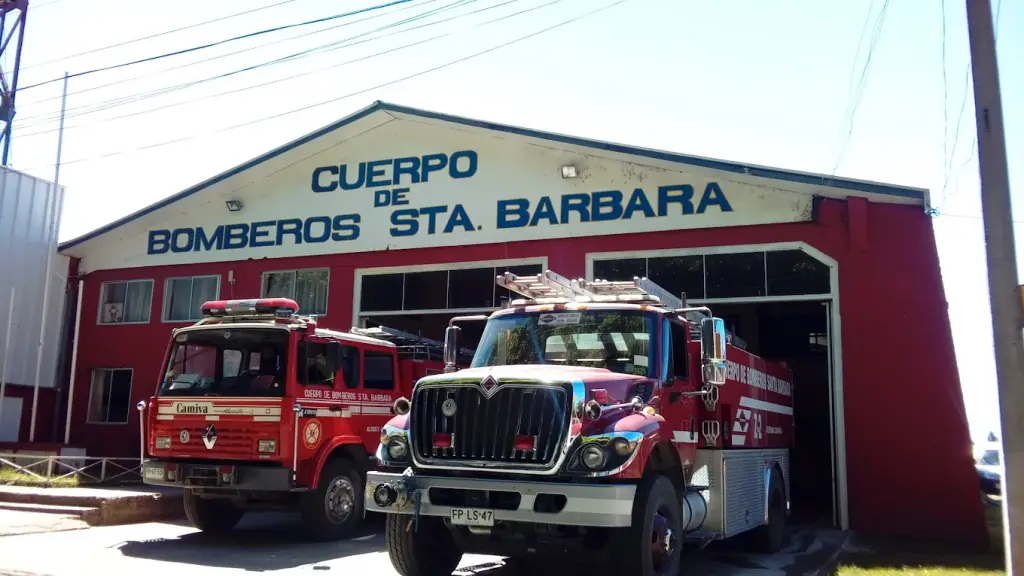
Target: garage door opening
[797, 333]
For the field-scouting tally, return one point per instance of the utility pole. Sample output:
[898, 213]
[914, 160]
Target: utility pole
[1004, 292]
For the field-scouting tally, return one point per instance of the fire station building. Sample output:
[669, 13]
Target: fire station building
[402, 218]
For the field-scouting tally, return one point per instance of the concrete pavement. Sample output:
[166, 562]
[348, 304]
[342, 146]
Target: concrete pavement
[270, 543]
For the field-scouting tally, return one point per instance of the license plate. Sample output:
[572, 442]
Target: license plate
[154, 473]
[472, 517]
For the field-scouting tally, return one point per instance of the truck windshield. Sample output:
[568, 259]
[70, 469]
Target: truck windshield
[227, 362]
[615, 340]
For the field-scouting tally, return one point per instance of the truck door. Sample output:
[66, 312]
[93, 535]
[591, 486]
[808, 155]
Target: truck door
[680, 411]
[379, 371]
[326, 371]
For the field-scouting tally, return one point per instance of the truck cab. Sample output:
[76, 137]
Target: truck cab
[258, 407]
[596, 418]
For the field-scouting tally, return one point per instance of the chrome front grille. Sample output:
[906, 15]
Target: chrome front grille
[517, 423]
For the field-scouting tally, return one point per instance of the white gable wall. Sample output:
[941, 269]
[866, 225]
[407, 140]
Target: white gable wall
[509, 170]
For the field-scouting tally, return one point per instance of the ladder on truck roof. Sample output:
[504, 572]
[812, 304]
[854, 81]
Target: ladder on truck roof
[551, 287]
[411, 346]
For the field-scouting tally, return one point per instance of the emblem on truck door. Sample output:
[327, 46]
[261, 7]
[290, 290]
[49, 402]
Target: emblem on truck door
[210, 437]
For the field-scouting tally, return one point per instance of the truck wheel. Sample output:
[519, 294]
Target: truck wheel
[429, 551]
[654, 542]
[771, 537]
[335, 509]
[215, 516]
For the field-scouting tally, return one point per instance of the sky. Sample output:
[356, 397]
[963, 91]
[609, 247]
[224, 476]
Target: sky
[867, 89]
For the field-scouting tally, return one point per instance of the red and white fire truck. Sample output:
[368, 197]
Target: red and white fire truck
[258, 407]
[601, 419]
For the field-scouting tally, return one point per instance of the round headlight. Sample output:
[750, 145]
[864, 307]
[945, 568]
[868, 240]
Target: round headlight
[592, 456]
[593, 409]
[621, 446]
[397, 448]
[402, 406]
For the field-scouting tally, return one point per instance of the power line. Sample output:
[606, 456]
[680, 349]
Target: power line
[329, 47]
[862, 82]
[159, 34]
[219, 56]
[350, 94]
[217, 43]
[309, 72]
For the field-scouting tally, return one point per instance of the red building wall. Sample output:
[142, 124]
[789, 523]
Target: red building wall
[909, 466]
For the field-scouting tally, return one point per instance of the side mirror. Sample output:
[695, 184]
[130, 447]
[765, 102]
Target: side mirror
[712, 350]
[451, 347]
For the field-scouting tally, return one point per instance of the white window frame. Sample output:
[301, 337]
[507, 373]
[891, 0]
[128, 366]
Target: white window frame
[149, 308]
[166, 309]
[360, 317]
[92, 389]
[327, 302]
[836, 396]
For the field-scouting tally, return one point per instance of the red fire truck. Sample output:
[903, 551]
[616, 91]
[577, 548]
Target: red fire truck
[259, 408]
[601, 419]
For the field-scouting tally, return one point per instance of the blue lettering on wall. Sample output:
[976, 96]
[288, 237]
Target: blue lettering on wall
[610, 205]
[394, 171]
[293, 231]
[405, 221]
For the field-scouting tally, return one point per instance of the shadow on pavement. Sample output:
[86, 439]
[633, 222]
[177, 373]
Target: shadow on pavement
[261, 542]
[810, 550]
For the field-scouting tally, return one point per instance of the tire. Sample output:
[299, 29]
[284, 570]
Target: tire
[213, 516]
[771, 537]
[653, 544]
[334, 511]
[429, 551]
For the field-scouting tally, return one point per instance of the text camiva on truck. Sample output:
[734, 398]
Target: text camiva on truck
[260, 408]
[604, 419]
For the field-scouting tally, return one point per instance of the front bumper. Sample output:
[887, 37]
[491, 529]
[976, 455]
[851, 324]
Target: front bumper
[217, 476]
[511, 501]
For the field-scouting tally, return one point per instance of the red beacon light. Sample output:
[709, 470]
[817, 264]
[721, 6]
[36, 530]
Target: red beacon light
[262, 306]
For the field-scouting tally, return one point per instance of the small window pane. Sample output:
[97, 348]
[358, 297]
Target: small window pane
[521, 270]
[735, 275]
[139, 300]
[426, 290]
[230, 363]
[678, 274]
[620, 270]
[793, 272]
[179, 294]
[378, 371]
[278, 284]
[311, 291]
[204, 289]
[380, 292]
[471, 288]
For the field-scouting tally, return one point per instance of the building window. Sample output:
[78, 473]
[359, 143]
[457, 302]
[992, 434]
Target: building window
[110, 396]
[438, 290]
[307, 287]
[728, 275]
[125, 302]
[183, 297]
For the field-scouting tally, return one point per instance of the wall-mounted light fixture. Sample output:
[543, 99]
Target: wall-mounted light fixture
[568, 171]
[233, 205]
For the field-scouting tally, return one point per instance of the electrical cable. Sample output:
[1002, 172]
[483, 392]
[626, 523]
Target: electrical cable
[337, 45]
[213, 44]
[862, 82]
[322, 69]
[344, 96]
[227, 54]
[157, 35]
